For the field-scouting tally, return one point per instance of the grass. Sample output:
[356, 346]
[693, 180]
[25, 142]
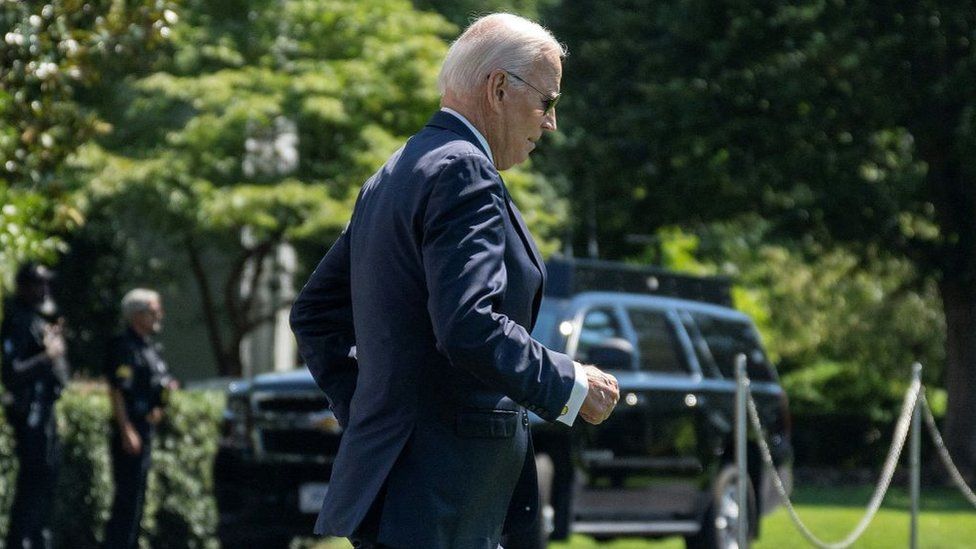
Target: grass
[947, 521]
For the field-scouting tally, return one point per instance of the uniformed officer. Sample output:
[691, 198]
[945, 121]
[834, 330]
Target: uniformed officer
[34, 373]
[139, 385]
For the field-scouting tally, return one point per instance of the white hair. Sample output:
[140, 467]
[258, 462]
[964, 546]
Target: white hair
[138, 300]
[496, 41]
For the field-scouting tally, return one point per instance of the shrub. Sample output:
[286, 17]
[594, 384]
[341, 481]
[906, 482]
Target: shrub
[180, 510]
[8, 472]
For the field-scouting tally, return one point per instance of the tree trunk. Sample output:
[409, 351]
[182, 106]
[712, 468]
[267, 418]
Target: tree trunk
[959, 303]
[228, 360]
[953, 193]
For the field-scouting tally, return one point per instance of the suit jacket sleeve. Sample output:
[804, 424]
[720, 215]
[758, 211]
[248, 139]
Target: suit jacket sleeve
[21, 343]
[463, 251]
[321, 319]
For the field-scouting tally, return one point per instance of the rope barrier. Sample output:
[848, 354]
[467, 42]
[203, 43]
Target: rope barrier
[915, 396]
[897, 444]
[944, 453]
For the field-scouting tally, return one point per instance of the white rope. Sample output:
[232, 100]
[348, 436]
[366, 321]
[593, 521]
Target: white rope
[901, 432]
[944, 453]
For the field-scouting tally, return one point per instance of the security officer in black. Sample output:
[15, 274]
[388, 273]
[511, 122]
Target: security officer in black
[34, 373]
[139, 385]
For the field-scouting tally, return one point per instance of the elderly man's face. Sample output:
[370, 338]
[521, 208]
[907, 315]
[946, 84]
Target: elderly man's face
[149, 321]
[522, 119]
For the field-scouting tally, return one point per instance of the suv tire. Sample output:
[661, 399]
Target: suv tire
[537, 536]
[718, 528]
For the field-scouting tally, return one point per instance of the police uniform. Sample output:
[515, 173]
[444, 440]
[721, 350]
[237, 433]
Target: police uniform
[134, 367]
[29, 403]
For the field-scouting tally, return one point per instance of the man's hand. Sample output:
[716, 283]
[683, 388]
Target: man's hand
[155, 416]
[131, 443]
[601, 397]
[54, 346]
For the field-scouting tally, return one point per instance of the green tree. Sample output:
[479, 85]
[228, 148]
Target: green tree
[52, 55]
[462, 12]
[259, 130]
[841, 327]
[841, 121]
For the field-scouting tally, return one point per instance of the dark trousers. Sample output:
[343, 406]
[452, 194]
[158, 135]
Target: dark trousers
[37, 449]
[130, 473]
[365, 535]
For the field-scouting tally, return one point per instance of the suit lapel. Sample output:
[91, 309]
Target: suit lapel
[530, 247]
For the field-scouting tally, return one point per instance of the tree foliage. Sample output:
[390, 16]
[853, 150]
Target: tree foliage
[841, 121]
[258, 128]
[844, 328]
[841, 328]
[815, 115]
[51, 55]
[462, 12]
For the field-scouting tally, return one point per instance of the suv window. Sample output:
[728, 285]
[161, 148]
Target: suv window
[599, 325]
[702, 353]
[727, 338]
[546, 330]
[656, 342]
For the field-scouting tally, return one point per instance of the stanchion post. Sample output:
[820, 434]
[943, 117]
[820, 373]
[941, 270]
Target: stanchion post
[742, 493]
[915, 456]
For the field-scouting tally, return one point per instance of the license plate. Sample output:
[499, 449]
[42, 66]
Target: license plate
[311, 495]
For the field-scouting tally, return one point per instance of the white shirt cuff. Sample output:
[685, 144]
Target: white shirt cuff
[581, 386]
[352, 352]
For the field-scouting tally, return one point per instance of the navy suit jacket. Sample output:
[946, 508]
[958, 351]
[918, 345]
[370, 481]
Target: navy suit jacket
[437, 282]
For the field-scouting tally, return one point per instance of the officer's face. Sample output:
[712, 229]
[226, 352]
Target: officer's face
[149, 320]
[36, 291]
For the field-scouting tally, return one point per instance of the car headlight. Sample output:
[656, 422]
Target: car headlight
[235, 429]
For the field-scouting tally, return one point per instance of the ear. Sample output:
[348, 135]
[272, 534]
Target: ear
[497, 84]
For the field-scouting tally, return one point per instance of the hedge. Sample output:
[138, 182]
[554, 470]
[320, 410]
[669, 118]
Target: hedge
[180, 509]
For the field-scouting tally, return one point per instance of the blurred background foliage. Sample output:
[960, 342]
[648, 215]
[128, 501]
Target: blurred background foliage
[845, 126]
[841, 328]
[50, 56]
[818, 152]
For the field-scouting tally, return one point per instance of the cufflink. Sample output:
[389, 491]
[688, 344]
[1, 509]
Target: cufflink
[565, 410]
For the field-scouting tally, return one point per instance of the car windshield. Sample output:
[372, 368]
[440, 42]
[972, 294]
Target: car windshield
[546, 329]
[727, 338]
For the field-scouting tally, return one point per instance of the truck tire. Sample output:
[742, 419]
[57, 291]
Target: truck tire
[718, 528]
[537, 536]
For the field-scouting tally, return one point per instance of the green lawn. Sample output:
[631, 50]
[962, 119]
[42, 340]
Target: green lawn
[947, 522]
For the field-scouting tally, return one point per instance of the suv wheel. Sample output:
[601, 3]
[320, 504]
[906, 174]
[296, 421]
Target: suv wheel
[537, 537]
[721, 520]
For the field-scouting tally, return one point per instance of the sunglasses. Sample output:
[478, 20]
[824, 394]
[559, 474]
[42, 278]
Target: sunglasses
[548, 101]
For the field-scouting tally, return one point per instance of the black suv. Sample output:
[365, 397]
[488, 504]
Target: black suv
[661, 465]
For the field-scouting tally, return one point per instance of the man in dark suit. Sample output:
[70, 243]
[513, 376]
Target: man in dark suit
[416, 323]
